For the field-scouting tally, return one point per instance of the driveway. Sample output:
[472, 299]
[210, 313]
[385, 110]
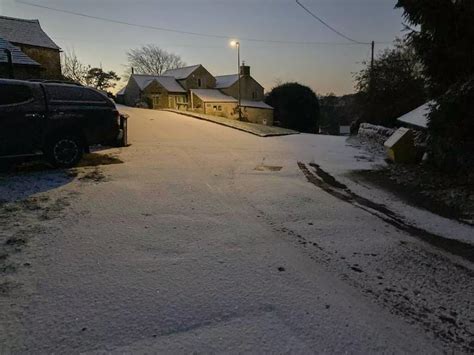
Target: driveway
[208, 239]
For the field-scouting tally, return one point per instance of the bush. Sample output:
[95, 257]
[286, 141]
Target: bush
[295, 107]
[451, 126]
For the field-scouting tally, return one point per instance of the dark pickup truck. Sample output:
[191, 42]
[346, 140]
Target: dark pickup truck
[56, 119]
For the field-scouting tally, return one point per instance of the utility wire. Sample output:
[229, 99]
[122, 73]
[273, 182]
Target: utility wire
[328, 25]
[209, 35]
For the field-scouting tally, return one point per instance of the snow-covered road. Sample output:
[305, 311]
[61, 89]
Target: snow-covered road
[208, 239]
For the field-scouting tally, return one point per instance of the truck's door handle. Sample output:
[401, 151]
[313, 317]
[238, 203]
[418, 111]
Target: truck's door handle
[33, 115]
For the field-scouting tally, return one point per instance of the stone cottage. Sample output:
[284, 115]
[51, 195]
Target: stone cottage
[33, 42]
[201, 92]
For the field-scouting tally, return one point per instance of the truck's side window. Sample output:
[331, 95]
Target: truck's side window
[11, 94]
[73, 94]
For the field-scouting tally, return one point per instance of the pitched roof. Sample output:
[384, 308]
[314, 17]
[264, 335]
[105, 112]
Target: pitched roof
[256, 104]
[181, 73]
[417, 117]
[121, 91]
[23, 31]
[225, 81]
[212, 95]
[18, 57]
[168, 82]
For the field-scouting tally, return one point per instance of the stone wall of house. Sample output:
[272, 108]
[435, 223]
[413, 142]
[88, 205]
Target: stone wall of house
[249, 87]
[48, 58]
[178, 101]
[153, 90]
[258, 115]
[192, 82]
[221, 109]
[132, 93]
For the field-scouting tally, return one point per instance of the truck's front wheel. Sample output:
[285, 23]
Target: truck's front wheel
[64, 151]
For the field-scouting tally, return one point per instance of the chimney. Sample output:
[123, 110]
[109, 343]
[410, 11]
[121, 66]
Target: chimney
[244, 69]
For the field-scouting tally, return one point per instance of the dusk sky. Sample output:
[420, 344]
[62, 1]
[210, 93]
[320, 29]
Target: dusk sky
[324, 67]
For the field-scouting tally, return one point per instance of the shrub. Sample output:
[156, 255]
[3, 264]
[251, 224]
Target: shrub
[451, 126]
[295, 107]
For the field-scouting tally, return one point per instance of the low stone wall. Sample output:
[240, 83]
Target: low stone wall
[373, 133]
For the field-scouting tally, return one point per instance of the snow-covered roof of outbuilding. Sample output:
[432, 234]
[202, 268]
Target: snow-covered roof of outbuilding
[168, 82]
[181, 73]
[23, 31]
[212, 95]
[417, 117]
[18, 57]
[255, 104]
[225, 81]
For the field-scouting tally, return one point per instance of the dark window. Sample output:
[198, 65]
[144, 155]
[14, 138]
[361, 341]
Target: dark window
[199, 82]
[70, 93]
[14, 94]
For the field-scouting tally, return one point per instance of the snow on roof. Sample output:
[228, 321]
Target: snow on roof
[168, 82]
[212, 95]
[256, 104]
[181, 73]
[18, 57]
[225, 81]
[23, 31]
[417, 117]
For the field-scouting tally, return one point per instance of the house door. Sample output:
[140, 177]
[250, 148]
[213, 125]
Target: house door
[172, 102]
[156, 101]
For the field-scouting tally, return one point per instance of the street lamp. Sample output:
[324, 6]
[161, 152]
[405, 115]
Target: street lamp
[237, 44]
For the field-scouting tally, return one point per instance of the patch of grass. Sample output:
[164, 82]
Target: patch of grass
[37, 165]
[95, 159]
[95, 175]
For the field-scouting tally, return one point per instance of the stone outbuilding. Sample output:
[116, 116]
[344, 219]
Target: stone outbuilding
[30, 39]
[213, 102]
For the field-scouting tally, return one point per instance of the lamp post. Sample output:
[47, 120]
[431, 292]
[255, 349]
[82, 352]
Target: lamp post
[237, 44]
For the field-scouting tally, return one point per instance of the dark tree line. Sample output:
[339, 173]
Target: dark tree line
[443, 39]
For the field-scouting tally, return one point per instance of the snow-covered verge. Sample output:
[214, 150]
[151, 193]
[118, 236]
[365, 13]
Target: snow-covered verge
[377, 134]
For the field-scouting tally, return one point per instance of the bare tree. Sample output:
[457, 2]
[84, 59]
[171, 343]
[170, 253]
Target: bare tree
[150, 59]
[73, 69]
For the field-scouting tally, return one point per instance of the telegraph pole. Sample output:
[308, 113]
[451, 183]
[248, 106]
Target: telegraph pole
[371, 83]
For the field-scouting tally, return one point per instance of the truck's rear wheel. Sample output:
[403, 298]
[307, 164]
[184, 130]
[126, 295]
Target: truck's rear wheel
[64, 151]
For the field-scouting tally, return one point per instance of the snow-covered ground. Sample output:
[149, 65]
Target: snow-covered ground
[210, 239]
